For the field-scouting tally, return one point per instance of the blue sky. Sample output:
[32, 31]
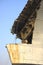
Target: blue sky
[9, 11]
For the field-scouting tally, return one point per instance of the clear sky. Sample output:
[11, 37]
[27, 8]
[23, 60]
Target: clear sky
[9, 11]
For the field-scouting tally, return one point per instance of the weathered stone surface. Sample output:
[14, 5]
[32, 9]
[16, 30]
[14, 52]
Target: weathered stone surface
[24, 53]
[24, 25]
[33, 53]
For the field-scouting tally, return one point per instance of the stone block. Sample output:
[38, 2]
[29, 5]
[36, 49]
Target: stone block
[25, 53]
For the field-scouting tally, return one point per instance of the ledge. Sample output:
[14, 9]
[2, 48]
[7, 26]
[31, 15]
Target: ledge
[25, 54]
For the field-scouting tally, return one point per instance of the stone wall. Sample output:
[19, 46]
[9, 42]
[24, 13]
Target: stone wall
[24, 53]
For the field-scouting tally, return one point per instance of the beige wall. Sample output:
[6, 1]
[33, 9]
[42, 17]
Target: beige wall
[38, 31]
[24, 53]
